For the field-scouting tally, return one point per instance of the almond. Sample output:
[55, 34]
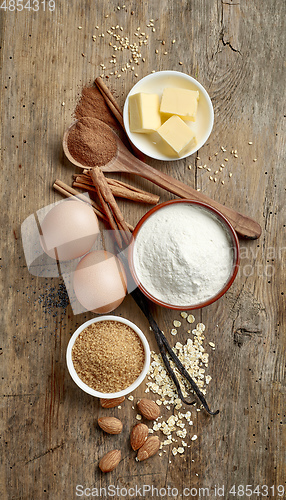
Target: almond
[149, 448]
[110, 461]
[138, 436]
[111, 425]
[111, 403]
[149, 409]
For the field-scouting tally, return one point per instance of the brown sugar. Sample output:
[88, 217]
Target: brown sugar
[91, 142]
[108, 356]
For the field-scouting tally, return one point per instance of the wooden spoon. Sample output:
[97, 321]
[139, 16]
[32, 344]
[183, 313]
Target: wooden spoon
[125, 161]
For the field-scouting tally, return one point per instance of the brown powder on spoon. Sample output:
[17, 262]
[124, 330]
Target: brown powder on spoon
[91, 142]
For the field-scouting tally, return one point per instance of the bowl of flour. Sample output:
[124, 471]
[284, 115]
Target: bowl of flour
[184, 254]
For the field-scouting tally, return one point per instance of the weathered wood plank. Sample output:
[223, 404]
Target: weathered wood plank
[49, 439]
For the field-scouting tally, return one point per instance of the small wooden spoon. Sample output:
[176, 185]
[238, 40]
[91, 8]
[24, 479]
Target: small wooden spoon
[124, 161]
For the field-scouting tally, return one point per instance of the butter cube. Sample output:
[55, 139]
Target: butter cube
[144, 114]
[181, 102]
[177, 135]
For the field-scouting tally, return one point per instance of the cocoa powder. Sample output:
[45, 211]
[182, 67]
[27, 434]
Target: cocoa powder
[92, 104]
[91, 142]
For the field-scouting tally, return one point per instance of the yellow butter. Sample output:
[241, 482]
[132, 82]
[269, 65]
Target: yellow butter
[144, 114]
[177, 135]
[181, 102]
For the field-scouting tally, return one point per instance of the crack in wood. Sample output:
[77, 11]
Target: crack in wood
[50, 450]
[243, 335]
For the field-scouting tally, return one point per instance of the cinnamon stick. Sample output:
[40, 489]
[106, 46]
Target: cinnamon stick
[68, 191]
[110, 100]
[118, 188]
[110, 206]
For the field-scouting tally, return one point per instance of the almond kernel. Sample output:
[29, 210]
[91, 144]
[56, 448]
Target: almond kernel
[110, 461]
[149, 448]
[111, 403]
[111, 425]
[138, 436]
[148, 408]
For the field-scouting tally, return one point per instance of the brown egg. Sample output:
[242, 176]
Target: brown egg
[69, 230]
[100, 282]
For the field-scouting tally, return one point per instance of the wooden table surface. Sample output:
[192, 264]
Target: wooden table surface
[49, 439]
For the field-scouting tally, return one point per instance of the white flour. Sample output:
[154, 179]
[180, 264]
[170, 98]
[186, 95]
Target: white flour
[183, 255]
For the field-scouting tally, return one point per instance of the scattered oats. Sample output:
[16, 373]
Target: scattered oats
[210, 158]
[163, 42]
[136, 74]
[190, 167]
[176, 323]
[63, 103]
[131, 398]
[255, 159]
[198, 158]
[212, 344]
[211, 178]
[250, 143]
[200, 166]
[223, 149]
[226, 159]
[216, 172]
[153, 71]
[165, 53]
[156, 51]
[190, 318]
[222, 182]
[220, 169]
[194, 437]
[201, 327]
[107, 15]
[153, 29]
[174, 331]
[173, 41]
[118, 7]
[184, 315]
[216, 154]
[180, 63]
[235, 155]
[143, 59]
[80, 28]
[208, 169]
[230, 174]
[159, 402]
[174, 451]
[138, 417]
[235, 151]
[160, 454]
[222, 165]
[215, 179]
[180, 450]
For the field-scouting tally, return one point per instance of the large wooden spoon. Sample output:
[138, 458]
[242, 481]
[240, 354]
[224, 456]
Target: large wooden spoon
[125, 161]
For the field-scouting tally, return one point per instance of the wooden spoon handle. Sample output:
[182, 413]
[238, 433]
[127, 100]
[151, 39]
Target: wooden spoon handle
[243, 225]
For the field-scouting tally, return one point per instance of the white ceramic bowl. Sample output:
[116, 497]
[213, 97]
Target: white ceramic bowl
[155, 83]
[88, 389]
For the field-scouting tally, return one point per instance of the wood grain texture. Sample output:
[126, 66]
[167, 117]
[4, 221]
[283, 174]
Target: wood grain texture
[49, 441]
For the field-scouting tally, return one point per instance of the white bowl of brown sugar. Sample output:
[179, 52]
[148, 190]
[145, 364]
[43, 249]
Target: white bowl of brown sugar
[108, 357]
